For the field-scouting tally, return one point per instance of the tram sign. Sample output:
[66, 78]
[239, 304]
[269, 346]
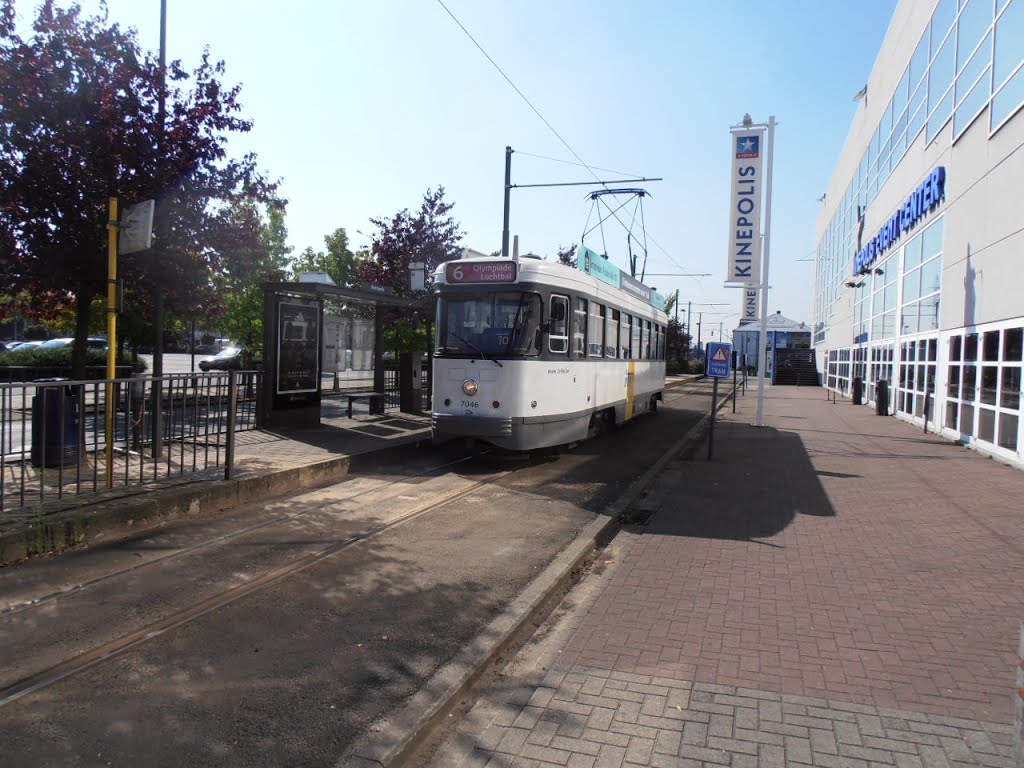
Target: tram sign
[504, 271]
[719, 357]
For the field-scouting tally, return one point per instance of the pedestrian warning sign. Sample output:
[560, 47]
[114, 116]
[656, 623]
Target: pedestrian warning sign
[719, 358]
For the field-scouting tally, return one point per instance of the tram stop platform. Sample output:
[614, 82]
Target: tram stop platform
[833, 589]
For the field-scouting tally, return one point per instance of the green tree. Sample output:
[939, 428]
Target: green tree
[263, 257]
[87, 115]
[431, 236]
[337, 260]
[567, 256]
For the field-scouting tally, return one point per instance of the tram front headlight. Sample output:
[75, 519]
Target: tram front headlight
[470, 387]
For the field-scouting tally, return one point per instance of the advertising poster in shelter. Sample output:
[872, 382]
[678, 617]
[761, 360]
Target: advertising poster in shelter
[298, 346]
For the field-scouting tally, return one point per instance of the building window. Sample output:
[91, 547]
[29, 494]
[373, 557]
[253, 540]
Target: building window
[922, 278]
[987, 403]
[1007, 61]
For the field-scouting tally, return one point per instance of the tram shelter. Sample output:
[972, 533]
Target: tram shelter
[293, 344]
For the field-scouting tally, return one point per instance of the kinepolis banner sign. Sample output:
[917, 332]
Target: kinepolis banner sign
[745, 207]
[748, 312]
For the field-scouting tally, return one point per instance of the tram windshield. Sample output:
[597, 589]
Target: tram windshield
[492, 325]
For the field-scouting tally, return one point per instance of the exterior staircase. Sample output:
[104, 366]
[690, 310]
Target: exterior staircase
[795, 367]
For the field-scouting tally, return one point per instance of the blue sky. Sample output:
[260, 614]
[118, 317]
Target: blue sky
[359, 107]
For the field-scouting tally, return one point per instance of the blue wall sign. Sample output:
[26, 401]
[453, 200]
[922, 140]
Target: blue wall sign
[922, 200]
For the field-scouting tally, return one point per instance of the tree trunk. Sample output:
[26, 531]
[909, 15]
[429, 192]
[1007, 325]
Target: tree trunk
[83, 307]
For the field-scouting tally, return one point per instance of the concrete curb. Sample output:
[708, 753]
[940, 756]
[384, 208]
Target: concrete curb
[203, 496]
[394, 741]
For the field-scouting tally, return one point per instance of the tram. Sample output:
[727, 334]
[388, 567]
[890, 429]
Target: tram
[532, 354]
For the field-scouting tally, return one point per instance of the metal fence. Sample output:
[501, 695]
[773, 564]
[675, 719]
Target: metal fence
[53, 434]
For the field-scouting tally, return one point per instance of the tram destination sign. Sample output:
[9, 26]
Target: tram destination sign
[457, 272]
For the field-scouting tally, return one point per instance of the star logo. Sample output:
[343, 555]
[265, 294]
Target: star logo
[747, 146]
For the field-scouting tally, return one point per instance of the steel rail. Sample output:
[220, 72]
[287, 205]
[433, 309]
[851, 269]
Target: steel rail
[75, 589]
[114, 648]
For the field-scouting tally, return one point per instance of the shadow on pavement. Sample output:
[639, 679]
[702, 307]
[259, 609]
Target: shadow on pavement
[759, 481]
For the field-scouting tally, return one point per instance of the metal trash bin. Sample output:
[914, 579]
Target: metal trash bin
[410, 396]
[858, 390]
[56, 424]
[882, 397]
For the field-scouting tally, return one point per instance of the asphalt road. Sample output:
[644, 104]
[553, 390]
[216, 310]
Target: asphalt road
[278, 634]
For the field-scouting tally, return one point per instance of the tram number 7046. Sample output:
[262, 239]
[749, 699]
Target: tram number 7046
[470, 404]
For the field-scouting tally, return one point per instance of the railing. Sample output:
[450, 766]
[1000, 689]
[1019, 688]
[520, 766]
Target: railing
[53, 434]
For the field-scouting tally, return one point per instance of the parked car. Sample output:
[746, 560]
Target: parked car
[92, 342]
[229, 358]
[57, 343]
[25, 345]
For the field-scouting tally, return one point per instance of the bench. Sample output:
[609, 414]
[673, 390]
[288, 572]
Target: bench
[374, 398]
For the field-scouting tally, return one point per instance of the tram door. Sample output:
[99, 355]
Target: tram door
[630, 389]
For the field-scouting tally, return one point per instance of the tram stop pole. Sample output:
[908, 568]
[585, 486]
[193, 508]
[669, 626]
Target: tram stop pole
[734, 374]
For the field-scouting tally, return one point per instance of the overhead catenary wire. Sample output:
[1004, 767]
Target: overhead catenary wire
[570, 162]
[544, 120]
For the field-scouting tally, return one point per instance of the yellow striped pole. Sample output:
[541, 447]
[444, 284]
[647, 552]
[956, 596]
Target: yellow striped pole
[111, 336]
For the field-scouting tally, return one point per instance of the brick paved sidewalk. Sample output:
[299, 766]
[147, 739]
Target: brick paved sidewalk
[837, 589]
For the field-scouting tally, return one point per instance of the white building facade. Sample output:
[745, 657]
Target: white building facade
[919, 278]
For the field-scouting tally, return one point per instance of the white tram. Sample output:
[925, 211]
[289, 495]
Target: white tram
[533, 354]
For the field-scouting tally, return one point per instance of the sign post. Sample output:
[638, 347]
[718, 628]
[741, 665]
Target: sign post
[749, 242]
[719, 359]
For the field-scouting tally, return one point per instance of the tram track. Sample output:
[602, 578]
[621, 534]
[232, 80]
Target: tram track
[110, 650]
[35, 602]
[329, 633]
[38, 601]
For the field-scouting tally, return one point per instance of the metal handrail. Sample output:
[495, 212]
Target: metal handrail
[53, 434]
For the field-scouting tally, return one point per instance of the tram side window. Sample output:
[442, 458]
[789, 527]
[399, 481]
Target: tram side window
[595, 331]
[624, 337]
[611, 333]
[634, 346]
[579, 328]
[662, 342]
[647, 339]
[558, 334]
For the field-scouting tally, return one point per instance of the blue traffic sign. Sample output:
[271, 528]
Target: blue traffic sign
[719, 359]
